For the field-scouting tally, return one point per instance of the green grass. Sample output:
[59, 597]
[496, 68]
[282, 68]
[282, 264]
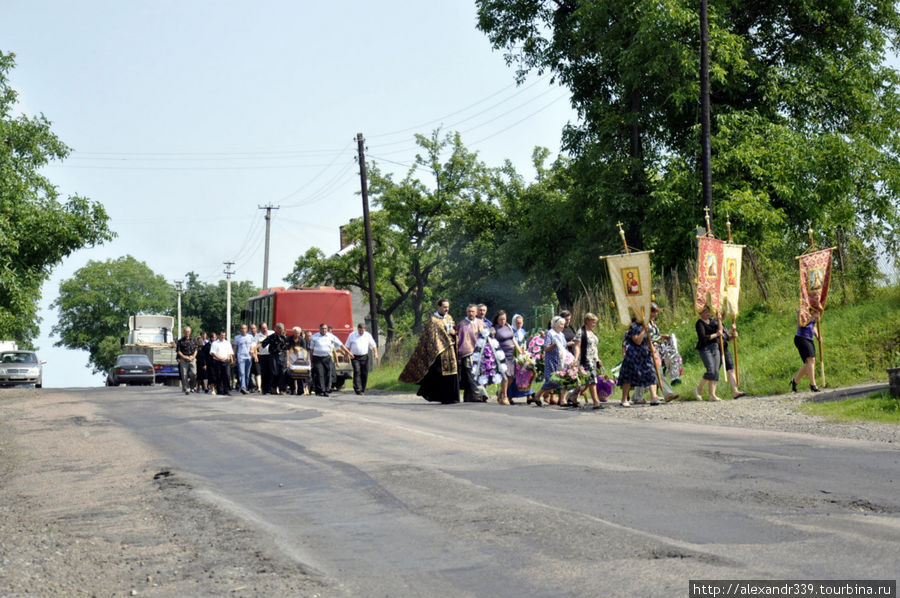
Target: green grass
[861, 340]
[879, 407]
[384, 377]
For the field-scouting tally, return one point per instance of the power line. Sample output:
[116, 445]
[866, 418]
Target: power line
[454, 113]
[320, 173]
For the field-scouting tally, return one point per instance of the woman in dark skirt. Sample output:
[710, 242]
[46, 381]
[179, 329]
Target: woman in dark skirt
[803, 340]
[637, 364]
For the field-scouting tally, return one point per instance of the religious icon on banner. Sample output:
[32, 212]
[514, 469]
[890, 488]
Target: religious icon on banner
[632, 279]
[815, 275]
[709, 267]
[731, 280]
[730, 273]
[629, 274]
[816, 278]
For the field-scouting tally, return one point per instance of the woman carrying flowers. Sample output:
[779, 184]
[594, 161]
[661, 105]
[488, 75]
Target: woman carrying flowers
[554, 360]
[586, 356]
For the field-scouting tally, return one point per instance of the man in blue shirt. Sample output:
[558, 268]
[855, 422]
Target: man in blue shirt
[242, 344]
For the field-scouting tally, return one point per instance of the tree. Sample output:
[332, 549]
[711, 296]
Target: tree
[347, 269]
[203, 305]
[94, 306]
[37, 230]
[422, 215]
[414, 228]
[805, 115]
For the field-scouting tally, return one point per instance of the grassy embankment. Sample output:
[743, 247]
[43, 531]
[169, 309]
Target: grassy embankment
[880, 407]
[861, 340]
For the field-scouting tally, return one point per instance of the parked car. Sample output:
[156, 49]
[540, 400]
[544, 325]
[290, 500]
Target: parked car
[131, 368]
[21, 367]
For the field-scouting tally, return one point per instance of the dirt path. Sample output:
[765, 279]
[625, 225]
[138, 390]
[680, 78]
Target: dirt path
[87, 510]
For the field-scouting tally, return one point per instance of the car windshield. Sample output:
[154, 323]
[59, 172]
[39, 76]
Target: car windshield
[133, 360]
[19, 357]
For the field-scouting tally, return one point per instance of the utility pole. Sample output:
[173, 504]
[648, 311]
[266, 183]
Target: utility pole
[706, 150]
[268, 210]
[368, 227]
[228, 274]
[178, 289]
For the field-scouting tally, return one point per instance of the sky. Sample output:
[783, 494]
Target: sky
[185, 117]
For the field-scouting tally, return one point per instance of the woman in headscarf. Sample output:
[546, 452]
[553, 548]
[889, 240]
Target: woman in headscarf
[520, 335]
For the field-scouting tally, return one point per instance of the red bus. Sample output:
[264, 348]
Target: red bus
[304, 307]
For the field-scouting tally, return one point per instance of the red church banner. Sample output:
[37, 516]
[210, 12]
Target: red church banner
[815, 275]
[709, 273]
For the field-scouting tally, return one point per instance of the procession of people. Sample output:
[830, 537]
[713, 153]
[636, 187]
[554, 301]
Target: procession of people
[265, 361]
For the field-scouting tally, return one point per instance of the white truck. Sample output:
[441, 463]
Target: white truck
[153, 336]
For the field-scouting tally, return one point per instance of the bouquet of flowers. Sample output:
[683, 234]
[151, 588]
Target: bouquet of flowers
[571, 377]
[535, 350]
[525, 370]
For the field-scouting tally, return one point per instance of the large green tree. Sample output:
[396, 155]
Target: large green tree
[418, 221]
[94, 306]
[204, 305]
[805, 114]
[37, 229]
[347, 269]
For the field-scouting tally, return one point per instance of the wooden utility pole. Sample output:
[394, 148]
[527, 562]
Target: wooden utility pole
[370, 265]
[706, 153]
[268, 210]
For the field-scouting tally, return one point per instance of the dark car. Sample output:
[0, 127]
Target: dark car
[131, 369]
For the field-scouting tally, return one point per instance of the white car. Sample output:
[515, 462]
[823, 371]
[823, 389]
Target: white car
[21, 367]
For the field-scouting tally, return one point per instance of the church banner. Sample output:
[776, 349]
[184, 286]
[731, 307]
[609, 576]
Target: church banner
[815, 276]
[630, 275]
[731, 279]
[709, 273]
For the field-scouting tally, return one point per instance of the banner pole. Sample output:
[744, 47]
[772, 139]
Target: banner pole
[652, 355]
[721, 342]
[737, 370]
[821, 352]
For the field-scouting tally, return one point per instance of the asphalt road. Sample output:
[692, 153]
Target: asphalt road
[387, 495]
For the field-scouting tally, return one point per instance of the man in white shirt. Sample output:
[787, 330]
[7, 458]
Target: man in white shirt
[322, 344]
[222, 355]
[359, 343]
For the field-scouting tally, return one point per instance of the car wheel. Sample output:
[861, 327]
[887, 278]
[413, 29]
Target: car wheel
[339, 383]
[38, 385]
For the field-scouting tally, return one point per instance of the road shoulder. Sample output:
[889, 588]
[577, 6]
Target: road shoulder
[86, 509]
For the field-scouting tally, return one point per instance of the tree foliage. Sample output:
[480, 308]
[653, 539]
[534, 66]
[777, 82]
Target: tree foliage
[204, 305]
[805, 115]
[37, 229]
[417, 224]
[94, 306]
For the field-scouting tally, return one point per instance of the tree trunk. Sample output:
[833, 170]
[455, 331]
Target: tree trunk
[418, 298]
[636, 153]
[389, 335]
[756, 273]
[840, 244]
